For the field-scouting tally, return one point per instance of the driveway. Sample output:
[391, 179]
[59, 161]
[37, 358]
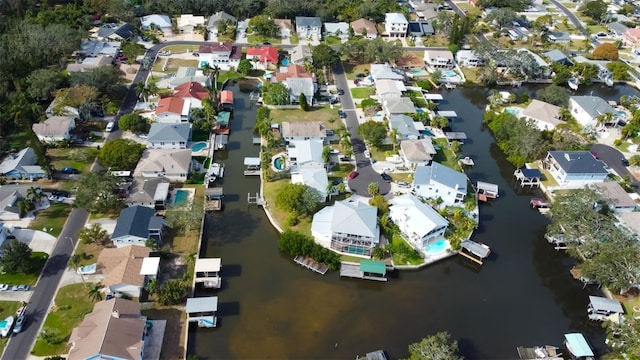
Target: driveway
[37, 240]
[613, 158]
[21, 296]
[366, 172]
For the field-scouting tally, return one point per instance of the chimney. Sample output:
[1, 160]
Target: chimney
[115, 314]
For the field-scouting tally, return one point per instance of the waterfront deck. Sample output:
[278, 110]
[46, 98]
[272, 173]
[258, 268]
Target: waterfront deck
[207, 272]
[252, 166]
[202, 311]
[475, 251]
[467, 161]
[486, 191]
[213, 199]
[366, 270]
[546, 352]
[528, 177]
[311, 264]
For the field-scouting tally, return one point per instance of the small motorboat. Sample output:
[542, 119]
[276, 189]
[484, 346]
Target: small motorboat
[5, 326]
[573, 83]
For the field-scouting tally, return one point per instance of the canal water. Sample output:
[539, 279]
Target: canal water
[272, 308]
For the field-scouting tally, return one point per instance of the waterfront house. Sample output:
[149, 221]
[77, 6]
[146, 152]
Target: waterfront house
[347, 227]
[115, 329]
[617, 198]
[187, 23]
[587, 109]
[186, 74]
[214, 21]
[404, 126]
[395, 25]
[300, 85]
[10, 195]
[309, 28]
[121, 270]
[173, 110]
[293, 71]
[193, 91]
[401, 105]
[439, 181]
[339, 29]
[223, 54]
[313, 176]
[439, 59]
[418, 222]
[304, 152]
[136, 225]
[364, 28]
[416, 152]
[385, 71]
[156, 21]
[557, 56]
[149, 192]
[420, 28]
[55, 128]
[113, 31]
[262, 57]
[545, 116]
[169, 136]
[300, 55]
[574, 169]
[173, 164]
[389, 89]
[468, 58]
[303, 131]
[284, 27]
[558, 37]
[22, 165]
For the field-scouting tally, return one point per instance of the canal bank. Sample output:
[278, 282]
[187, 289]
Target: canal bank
[270, 307]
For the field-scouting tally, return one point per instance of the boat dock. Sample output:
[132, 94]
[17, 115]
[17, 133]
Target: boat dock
[366, 270]
[474, 251]
[546, 352]
[528, 177]
[311, 264]
[467, 161]
[220, 142]
[202, 311]
[253, 166]
[486, 191]
[539, 203]
[213, 198]
[207, 272]
[374, 355]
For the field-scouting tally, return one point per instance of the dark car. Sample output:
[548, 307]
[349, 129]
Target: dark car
[342, 114]
[340, 91]
[266, 43]
[594, 154]
[385, 177]
[69, 170]
[625, 162]
[60, 193]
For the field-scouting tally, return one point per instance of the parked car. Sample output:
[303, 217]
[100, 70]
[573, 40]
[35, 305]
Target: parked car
[19, 323]
[54, 198]
[334, 100]
[403, 184]
[386, 177]
[340, 91]
[60, 193]
[22, 288]
[122, 58]
[367, 154]
[69, 170]
[625, 162]
[342, 114]
[353, 175]
[4, 287]
[594, 154]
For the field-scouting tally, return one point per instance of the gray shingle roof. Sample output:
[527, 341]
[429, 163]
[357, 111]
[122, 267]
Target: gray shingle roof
[556, 55]
[444, 175]
[167, 132]
[593, 105]
[134, 221]
[578, 162]
[403, 124]
[308, 21]
[213, 20]
[617, 27]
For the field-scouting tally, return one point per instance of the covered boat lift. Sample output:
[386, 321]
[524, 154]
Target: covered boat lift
[528, 177]
[474, 251]
[207, 272]
[456, 136]
[220, 141]
[433, 97]
[486, 190]
[602, 308]
[578, 346]
[367, 270]
[213, 198]
[253, 166]
[202, 310]
[447, 114]
[546, 352]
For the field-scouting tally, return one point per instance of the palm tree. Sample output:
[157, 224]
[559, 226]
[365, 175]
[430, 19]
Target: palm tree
[23, 206]
[373, 189]
[394, 138]
[74, 263]
[564, 113]
[140, 88]
[94, 292]
[152, 286]
[215, 72]
[34, 194]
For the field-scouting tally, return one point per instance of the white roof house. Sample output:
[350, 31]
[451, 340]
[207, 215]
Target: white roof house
[418, 222]
[395, 24]
[301, 152]
[387, 88]
[339, 29]
[173, 164]
[398, 106]
[163, 22]
[587, 109]
[545, 116]
[439, 181]
[187, 22]
[314, 176]
[384, 71]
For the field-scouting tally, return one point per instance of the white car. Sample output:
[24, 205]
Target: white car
[367, 154]
[18, 326]
[4, 287]
[54, 198]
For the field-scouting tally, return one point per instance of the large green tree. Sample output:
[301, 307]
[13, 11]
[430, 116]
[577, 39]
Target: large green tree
[624, 337]
[134, 122]
[98, 192]
[244, 67]
[596, 9]
[323, 55]
[276, 94]
[553, 94]
[15, 257]
[263, 25]
[120, 154]
[435, 347]
[373, 132]
[520, 140]
[44, 82]
[92, 234]
[298, 198]
[173, 292]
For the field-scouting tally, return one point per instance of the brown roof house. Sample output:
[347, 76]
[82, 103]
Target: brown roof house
[174, 164]
[617, 198]
[113, 330]
[122, 269]
[365, 27]
[55, 128]
[284, 26]
[544, 115]
[173, 110]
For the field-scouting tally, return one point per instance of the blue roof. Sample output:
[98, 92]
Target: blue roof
[578, 162]
[436, 172]
[531, 173]
[403, 124]
[577, 345]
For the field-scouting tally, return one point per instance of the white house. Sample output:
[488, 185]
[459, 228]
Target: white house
[162, 22]
[439, 181]
[10, 195]
[348, 227]
[173, 110]
[168, 135]
[575, 169]
[300, 85]
[303, 131]
[468, 58]
[419, 223]
[137, 224]
[395, 25]
[301, 152]
[120, 269]
[173, 164]
[55, 128]
[223, 54]
[187, 23]
[544, 115]
[385, 71]
[386, 88]
[309, 28]
[439, 59]
[587, 109]
[416, 152]
[339, 29]
[284, 27]
[312, 175]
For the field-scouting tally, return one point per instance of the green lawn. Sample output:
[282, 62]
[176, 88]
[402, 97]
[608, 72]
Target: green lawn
[382, 152]
[327, 116]
[361, 92]
[331, 40]
[53, 218]
[79, 158]
[348, 258]
[71, 305]
[259, 39]
[180, 49]
[271, 190]
[39, 258]
[405, 259]
[341, 171]
[7, 308]
[444, 155]
[16, 141]
[225, 75]
[352, 70]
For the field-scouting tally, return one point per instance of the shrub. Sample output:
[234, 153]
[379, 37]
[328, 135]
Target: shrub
[292, 220]
[605, 51]
[172, 292]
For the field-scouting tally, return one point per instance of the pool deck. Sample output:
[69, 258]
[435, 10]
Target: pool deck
[202, 152]
[191, 192]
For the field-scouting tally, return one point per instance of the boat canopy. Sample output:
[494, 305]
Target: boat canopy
[251, 161]
[202, 304]
[477, 249]
[577, 345]
[605, 304]
[226, 97]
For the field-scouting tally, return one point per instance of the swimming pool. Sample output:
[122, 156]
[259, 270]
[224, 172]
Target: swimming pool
[278, 163]
[449, 73]
[285, 62]
[419, 111]
[512, 111]
[436, 246]
[426, 132]
[199, 146]
[181, 197]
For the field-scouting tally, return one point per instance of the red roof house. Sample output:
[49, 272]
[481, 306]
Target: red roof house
[294, 71]
[192, 90]
[265, 54]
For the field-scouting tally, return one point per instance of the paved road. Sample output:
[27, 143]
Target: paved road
[613, 158]
[366, 173]
[574, 20]
[20, 345]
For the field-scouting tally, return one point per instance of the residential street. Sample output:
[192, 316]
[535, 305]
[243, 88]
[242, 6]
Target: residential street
[20, 345]
[613, 158]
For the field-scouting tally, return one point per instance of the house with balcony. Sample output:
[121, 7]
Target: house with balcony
[439, 181]
[173, 110]
[223, 54]
[309, 28]
[348, 227]
[416, 152]
[307, 130]
[284, 27]
[173, 164]
[364, 27]
[418, 222]
[587, 109]
[468, 58]
[136, 225]
[168, 135]
[395, 25]
[574, 169]
[545, 116]
[263, 57]
[54, 129]
[439, 59]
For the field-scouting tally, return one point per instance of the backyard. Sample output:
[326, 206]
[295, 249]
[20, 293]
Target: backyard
[186, 242]
[52, 218]
[88, 252]
[352, 70]
[361, 92]
[327, 116]
[270, 190]
[7, 308]
[171, 347]
[79, 158]
[168, 64]
[444, 154]
[38, 259]
[71, 304]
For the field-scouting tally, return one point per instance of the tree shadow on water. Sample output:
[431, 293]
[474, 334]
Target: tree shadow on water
[231, 227]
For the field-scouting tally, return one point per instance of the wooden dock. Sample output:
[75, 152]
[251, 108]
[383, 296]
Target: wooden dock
[311, 264]
[351, 270]
[467, 161]
[474, 251]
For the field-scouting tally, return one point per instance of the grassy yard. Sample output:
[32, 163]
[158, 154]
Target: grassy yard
[341, 171]
[171, 347]
[435, 41]
[172, 64]
[187, 242]
[569, 5]
[39, 258]
[353, 259]
[327, 116]
[382, 152]
[471, 10]
[361, 92]
[7, 308]
[624, 146]
[471, 74]
[53, 218]
[547, 179]
[402, 177]
[88, 252]
[79, 158]
[71, 305]
[271, 190]
[445, 156]
[16, 141]
[352, 70]
[259, 39]
[400, 258]
[331, 40]
[181, 49]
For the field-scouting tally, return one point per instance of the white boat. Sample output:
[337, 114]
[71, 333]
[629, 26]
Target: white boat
[5, 326]
[573, 83]
[608, 81]
[215, 171]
